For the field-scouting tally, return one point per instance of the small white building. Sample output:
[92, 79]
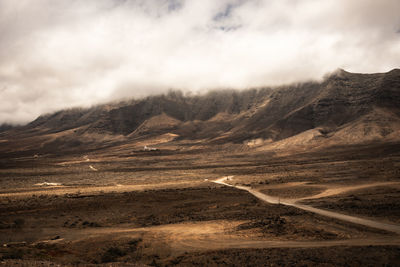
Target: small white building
[146, 148]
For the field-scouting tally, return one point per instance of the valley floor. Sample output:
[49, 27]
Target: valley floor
[162, 208]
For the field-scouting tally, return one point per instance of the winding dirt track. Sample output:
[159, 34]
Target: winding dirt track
[214, 235]
[343, 189]
[273, 200]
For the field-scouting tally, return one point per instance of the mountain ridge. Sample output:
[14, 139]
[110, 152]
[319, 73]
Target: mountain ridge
[343, 100]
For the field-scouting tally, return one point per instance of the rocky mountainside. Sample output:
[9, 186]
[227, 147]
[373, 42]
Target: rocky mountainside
[344, 108]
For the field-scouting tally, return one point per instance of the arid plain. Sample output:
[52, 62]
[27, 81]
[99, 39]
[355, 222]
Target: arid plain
[217, 190]
[163, 208]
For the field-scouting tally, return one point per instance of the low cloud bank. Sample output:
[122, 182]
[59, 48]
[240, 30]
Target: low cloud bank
[60, 53]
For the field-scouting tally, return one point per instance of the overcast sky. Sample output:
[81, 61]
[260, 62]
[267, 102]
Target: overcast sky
[63, 53]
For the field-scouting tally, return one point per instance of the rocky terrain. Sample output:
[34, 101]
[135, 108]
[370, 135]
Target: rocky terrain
[135, 183]
[345, 108]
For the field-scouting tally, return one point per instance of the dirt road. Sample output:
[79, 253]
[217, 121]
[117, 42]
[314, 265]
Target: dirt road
[336, 190]
[274, 200]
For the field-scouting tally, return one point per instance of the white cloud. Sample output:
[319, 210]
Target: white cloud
[62, 53]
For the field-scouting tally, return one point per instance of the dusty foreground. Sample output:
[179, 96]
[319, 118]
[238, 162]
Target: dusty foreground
[164, 208]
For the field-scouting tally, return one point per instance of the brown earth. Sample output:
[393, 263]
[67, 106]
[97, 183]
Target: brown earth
[77, 187]
[161, 208]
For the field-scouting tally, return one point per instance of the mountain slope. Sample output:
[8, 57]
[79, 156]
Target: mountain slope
[345, 108]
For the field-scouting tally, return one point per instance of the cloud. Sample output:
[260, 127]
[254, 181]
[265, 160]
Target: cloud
[63, 53]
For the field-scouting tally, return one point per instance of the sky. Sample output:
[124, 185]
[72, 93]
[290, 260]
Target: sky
[57, 54]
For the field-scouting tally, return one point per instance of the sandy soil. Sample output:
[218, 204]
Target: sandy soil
[161, 208]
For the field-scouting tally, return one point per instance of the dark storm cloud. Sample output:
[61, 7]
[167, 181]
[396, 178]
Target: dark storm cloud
[62, 53]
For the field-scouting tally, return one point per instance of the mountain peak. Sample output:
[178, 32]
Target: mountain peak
[228, 116]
